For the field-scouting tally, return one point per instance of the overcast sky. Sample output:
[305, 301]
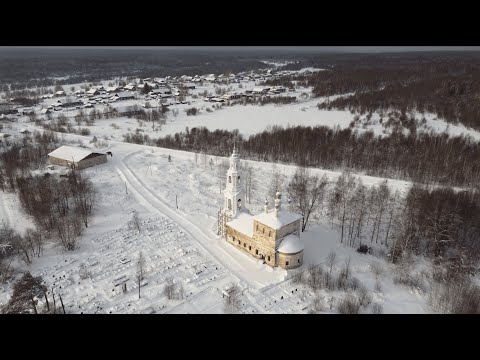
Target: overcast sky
[355, 49]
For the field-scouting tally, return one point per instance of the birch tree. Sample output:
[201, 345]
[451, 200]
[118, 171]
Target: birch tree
[306, 191]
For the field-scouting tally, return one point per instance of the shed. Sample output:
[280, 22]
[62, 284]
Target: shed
[75, 157]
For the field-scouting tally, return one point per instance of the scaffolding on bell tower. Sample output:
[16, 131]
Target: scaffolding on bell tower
[222, 218]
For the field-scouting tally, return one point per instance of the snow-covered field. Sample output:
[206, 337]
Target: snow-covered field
[183, 244]
[177, 202]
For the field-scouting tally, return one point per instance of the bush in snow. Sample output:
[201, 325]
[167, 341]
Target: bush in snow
[364, 297]
[349, 305]
[191, 111]
[377, 309]
[317, 305]
[377, 269]
[362, 249]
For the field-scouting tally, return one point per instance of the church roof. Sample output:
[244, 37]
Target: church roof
[242, 223]
[284, 218]
[291, 244]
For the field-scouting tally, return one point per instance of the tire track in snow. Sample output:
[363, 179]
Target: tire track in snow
[154, 204]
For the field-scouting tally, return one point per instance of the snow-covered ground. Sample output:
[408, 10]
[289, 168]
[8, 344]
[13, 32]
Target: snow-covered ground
[181, 240]
[182, 243]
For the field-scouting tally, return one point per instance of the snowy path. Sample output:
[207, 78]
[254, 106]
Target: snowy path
[11, 215]
[154, 203]
[4, 216]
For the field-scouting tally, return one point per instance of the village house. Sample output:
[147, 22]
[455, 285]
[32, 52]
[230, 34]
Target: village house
[69, 103]
[93, 92]
[232, 96]
[76, 158]
[272, 236]
[260, 90]
[129, 87]
[113, 89]
[124, 96]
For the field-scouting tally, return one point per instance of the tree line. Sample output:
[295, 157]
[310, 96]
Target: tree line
[419, 157]
[446, 84]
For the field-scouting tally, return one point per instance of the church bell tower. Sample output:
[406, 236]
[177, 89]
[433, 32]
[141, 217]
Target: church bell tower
[234, 192]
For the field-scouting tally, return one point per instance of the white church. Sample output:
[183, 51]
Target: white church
[272, 236]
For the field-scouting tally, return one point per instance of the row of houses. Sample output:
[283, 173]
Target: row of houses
[184, 81]
[257, 90]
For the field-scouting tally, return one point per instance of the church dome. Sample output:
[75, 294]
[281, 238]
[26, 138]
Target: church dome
[291, 244]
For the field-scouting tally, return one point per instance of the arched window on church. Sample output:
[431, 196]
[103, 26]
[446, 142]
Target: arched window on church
[257, 227]
[229, 179]
[229, 204]
[238, 179]
[239, 203]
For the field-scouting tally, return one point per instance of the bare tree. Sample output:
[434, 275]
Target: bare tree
[306, 191]
[170, 288]
[330, 262]
[221, 174]
[232, 301]
[135, 221]
[341, 198]
[392, 207]
[315, 276]
[440, 229]
[29, 245]
[68, 229]
[140, 270]
[250, 182]
[276, 182]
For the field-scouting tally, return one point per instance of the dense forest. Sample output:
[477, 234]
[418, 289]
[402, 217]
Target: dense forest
[443, 83]
[424, 158]
[28, 68]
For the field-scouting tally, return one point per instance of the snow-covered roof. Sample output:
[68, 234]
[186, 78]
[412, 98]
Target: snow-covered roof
[70, 153]
[124, 94]
[284, 218]
[242, 223]
[291, 244]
